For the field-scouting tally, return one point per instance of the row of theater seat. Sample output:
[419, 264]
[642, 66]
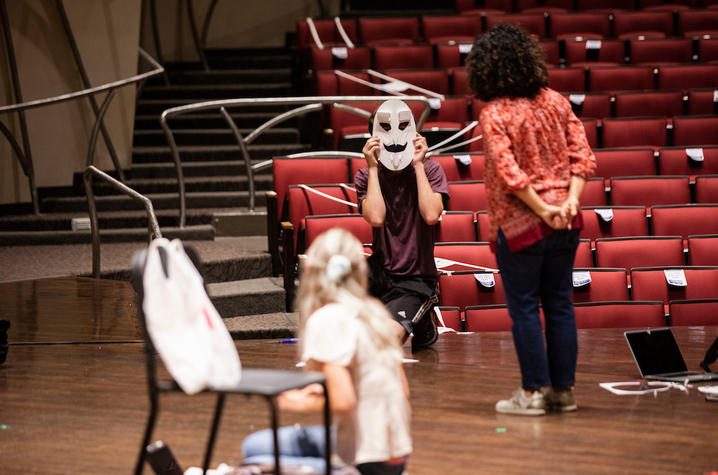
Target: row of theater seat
[469, 6]
[621, 314]
[542, 23]
[571, 52]
[454, 81]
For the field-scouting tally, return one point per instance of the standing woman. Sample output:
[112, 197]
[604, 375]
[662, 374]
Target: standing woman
[537, 162]
[347, 335]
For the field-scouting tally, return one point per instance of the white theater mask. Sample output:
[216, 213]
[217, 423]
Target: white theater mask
[394, 125]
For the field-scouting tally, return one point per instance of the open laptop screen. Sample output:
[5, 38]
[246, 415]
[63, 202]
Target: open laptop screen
[656, 351]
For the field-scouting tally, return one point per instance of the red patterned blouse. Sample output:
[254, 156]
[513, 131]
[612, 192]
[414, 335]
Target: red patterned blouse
[537, 142]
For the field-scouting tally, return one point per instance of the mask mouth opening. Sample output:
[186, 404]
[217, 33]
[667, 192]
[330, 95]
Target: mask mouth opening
[394, 148]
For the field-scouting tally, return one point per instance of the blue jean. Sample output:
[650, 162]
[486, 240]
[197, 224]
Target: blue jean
[302, 446]
[542, 271]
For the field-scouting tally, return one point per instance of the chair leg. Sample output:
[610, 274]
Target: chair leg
[213, 432]
[149, 428]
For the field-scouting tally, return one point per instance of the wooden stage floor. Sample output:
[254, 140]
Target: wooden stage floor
[73, 399]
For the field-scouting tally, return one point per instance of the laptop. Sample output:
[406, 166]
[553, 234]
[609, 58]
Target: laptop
[658, 357]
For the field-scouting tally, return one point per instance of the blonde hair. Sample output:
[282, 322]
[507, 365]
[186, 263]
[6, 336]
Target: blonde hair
[344, 281]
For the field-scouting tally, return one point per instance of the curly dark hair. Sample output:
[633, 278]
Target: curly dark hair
[506, 62]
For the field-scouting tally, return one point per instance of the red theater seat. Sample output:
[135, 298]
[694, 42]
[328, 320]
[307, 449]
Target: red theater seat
[534, 23]
[699, 312]
[661, 51]
[620, 78]
[434, 80]
[596, 105]
[455, 226]
[472, 253]
[695, 130]
[584, 255]
[697, 23]
[707, 190]
[638, 132]
[628, 25]
[626, 314]
[567, 79]
[458, 28]
[707, 50]
[551, 51]
[703, 101]
[327, 31]
[467, 196]
[650, 190]
[675, 161]
[403, 57]
[594, 193]
[630, 252]
[326, 60]
[402, 31]
[590, 127]
[686, 77]
[649, 103]
[354, 223]
[488, 318]
[462, 289]
[703, 250]
[585, 25]
[459, 82]
[455, 170]
[482, 225]
[586, 53]
[606, 285]
[452, 317]
[684, 220]
[624, 162]
[650, 284]
[626, 221]
[302, 202]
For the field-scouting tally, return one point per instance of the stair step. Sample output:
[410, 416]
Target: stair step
[222, 182]
[248, 297]
[230, 76]
[27, 238]
[209, 120]
[233, 168]
[222, 136]
[204, 92]
[157, 106]
[268, 325]
[198, 153]
[218, 199]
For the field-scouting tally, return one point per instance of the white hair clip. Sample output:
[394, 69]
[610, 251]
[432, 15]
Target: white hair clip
[338, 267]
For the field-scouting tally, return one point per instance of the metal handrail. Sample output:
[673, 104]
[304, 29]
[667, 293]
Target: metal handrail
[153, 226]
[109, 87]
[308, 104]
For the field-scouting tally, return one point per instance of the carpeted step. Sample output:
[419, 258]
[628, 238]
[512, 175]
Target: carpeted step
[203, 92]
[218, 199]
[222, 182]
[248, 297]
[234, 168]
[213, 137]
[24, 238]
[266, 326]
[210, 120]
[157, 106]
[227, 76]
[197, 153]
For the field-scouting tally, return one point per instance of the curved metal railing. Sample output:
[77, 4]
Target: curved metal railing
[152, 225]
[110, 87]
[306, 105]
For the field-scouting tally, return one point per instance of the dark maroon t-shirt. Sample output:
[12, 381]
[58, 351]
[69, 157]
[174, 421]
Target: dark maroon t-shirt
[405, 239]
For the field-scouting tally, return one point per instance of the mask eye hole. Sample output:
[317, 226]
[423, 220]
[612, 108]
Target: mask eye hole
[403, 125]
[386, 126]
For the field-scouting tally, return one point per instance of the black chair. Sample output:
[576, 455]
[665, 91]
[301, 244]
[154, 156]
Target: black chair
[267, 383]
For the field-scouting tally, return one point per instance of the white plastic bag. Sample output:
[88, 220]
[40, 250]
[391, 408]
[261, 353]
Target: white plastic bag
[184, 326]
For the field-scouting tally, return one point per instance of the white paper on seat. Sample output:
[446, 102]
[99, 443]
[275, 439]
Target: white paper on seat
[463, 159]
[581, 278]
[695, 154]
[593, 44]
[486, 280]
[434, 103]
[577, 99]
[675, 277]
[340, 52]
[185, 328]
[715, 95]
[605, 214]
[442, 263]
[465, 48]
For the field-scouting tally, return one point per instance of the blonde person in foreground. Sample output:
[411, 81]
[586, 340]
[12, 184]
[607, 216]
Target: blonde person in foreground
[347, 335]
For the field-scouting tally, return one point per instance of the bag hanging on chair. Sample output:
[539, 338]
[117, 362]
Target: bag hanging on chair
[184, 326]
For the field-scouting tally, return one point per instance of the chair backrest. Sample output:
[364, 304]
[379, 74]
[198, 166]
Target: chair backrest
[488, 318]
[676, 161]
[620, 78]
[594, 193]
[403, 57]
[584, 254]
[626, 221]
[590, 127]
[647, 251]
[551, 51]
[606, 284]
[463, 289]
[632, 24]
[354, 223]
[688, 130]
[374, 31]
[583, 24]
[707, 189]
[585, 52]
[356, 58]
[697, 22]
[459, 82]
[482, 225]
[453, 318]
[649, 103]
[684, 220]
[702, 101]
[660, 51]
[702, 250]
[467, 196]
[650, 190]
[651, 284]
[626, 314]
[327, 32]
[534, 23]
[434, 80]
[455, 226]
[572, 79]
[698, 312]
[624, 162]
[302, 203]
[440, 29]
[296, 171]
[472, 253]
[686, 77]
[596, 104]
[707, 49]
[635, 132]
[456, 170]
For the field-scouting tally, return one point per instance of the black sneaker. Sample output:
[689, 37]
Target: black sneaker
[4, 325]
[425, 331]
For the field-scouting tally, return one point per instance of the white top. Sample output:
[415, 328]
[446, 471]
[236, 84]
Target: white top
[378, 429]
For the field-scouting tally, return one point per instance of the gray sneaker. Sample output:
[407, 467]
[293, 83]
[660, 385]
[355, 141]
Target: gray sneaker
[561, 401]
[521, 405]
